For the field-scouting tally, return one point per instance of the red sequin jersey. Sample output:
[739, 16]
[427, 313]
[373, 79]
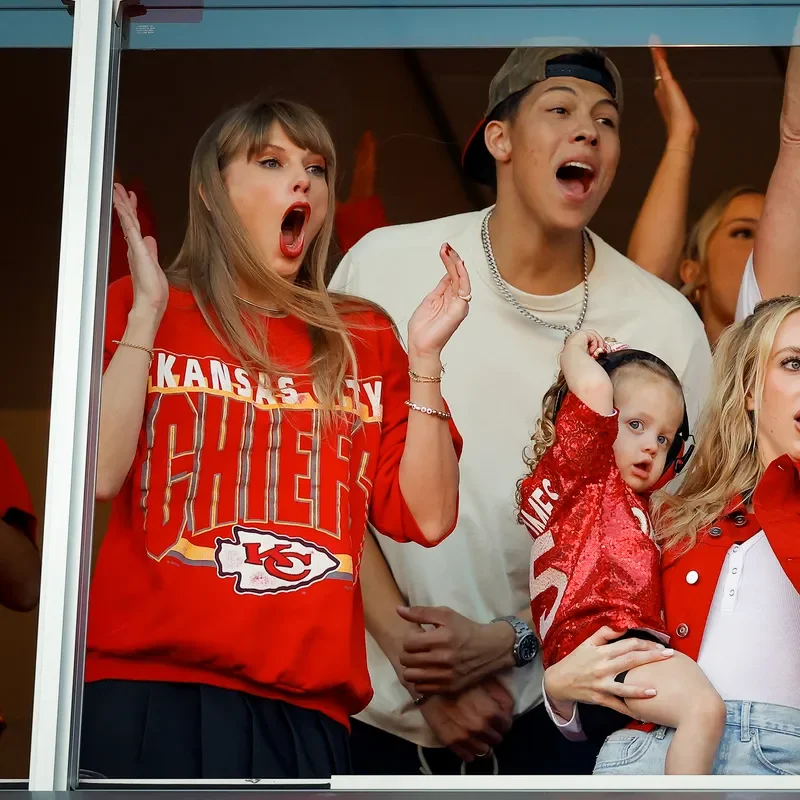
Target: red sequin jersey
[593, 560]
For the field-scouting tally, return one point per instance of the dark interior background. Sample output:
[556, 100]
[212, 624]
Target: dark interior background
[412, 101]
[735, 93]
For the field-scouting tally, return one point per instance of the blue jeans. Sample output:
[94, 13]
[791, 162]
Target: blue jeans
[759, 739]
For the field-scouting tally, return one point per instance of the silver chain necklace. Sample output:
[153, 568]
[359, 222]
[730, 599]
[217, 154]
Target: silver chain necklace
[506, 292]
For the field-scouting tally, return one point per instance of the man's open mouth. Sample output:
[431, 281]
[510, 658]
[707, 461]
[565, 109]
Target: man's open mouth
[576, 177]
[293, 229]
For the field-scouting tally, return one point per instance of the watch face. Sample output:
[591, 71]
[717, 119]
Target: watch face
[528, 647]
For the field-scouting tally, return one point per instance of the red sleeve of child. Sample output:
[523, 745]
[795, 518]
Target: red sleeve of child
[16, 508]
[584, 448]
[388, 510]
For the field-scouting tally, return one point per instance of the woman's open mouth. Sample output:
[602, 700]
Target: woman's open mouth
[293, 229]
[576, 179]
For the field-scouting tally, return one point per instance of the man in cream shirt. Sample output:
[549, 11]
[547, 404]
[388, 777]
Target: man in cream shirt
[550, 145]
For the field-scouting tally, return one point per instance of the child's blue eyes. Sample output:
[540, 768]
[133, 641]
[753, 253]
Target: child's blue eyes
[637, 425]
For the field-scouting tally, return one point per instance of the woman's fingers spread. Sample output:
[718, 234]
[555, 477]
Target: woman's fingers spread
[633, 692]
[603, 636]
[638, 658]
[617, 705]
[623, 646]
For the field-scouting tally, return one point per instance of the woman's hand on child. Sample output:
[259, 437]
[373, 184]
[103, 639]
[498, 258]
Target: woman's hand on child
[587, 674]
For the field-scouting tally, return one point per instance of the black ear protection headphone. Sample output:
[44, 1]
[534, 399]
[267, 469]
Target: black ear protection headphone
[677, 456]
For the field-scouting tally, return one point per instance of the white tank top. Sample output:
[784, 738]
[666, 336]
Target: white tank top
[751, 644]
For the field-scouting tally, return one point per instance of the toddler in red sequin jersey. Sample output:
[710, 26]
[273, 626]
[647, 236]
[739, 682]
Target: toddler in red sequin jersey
[607, 435]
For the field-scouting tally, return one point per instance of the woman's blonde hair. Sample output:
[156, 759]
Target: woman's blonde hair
[726, 461]
[544, 435]
[700, 235]
[218, 253]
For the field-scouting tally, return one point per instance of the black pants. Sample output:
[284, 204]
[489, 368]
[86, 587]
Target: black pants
[143, 729]
[533, 746]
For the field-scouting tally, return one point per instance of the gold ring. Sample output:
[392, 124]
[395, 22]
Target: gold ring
[465, 297]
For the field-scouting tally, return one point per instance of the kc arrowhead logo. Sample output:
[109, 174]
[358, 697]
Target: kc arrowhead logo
[263, 562]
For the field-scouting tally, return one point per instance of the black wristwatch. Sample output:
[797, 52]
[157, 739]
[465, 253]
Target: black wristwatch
[526, 645]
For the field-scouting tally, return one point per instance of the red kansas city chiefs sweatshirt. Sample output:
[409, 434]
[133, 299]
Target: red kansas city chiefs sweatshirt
[232, 553]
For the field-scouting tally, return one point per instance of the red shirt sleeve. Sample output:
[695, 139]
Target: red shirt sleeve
[584, 447]
[776, 506]
[16, 508]
[119, 301]
[388, 510]
[356, 218]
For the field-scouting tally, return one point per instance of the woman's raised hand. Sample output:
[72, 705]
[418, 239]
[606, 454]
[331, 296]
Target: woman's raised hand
[443, 310]
[150, 287]
[681, 124]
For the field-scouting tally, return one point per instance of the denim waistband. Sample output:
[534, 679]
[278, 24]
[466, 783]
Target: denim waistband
[745, 715]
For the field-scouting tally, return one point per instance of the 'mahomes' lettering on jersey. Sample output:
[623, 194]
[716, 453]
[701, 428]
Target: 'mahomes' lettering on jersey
[217, 440]
[536, 513]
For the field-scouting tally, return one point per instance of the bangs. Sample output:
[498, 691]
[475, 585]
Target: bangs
[247, 130]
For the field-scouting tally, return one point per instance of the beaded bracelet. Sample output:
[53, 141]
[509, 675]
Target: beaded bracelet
[430, 411]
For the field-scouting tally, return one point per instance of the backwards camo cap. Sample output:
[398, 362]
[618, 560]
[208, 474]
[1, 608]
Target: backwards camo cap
[525, 67]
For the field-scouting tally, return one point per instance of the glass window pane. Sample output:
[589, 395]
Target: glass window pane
[36, 23]
[478, 23]
[415, 80]
[35, 40]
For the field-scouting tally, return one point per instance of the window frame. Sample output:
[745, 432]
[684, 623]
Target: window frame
[99, 34]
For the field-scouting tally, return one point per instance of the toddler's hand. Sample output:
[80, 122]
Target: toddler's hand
[587, 341]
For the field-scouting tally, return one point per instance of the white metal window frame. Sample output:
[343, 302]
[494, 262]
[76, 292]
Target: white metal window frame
[74, 397]
[74, 414]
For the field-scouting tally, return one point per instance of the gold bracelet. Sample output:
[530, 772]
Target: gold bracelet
[417, 378]
[430, 411]
[135, 347]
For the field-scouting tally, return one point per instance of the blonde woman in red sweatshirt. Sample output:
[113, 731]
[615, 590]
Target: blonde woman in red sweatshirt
[251, 423]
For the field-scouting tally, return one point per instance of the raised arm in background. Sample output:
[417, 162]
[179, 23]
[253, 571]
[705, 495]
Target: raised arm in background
[657, 240]
[778, 240]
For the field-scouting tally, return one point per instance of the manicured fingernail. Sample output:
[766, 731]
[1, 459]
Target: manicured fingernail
[650, 692]
[447, 248]
[668, 651]
[661, 647]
